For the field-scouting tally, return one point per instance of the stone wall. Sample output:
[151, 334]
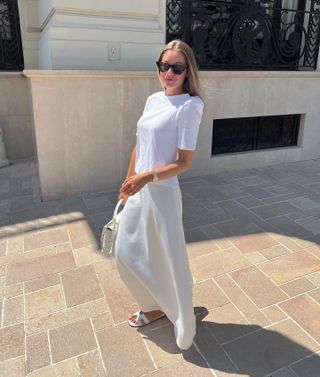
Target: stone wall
[15, 116]
[85, 122]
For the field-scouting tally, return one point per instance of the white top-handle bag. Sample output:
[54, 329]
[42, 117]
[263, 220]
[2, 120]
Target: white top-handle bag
[109, 232]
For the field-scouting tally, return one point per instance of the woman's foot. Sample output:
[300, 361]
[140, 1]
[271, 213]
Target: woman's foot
[140, 318]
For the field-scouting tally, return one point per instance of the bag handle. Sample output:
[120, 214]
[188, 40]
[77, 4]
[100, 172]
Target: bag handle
[116, 210]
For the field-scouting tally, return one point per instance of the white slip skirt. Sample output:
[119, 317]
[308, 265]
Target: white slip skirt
[151, 257]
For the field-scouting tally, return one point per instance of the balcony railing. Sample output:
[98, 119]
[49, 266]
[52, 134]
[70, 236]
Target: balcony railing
[248, 34]
[11, 56]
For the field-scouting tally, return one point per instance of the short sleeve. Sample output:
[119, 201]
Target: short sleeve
[189, 118]
[145, 109]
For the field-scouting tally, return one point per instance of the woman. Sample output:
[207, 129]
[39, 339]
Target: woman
[150, 247]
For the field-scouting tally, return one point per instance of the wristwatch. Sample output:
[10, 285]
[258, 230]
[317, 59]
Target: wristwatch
[155, 176]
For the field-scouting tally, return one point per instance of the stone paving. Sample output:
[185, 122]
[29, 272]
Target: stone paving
[253, 244]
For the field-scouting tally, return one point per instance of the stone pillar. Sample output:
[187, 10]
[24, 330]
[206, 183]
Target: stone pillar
[30, 32]
[101, 35]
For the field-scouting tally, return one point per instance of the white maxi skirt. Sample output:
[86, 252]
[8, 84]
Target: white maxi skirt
[151, 256]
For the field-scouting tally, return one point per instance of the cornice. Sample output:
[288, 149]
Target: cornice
[57, 74]
[97, 13]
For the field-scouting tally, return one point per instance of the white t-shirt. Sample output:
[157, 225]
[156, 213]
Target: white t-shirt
[168, 123]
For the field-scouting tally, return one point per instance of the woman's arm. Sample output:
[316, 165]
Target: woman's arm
[132, 163]
[134, 183]
[130, 173]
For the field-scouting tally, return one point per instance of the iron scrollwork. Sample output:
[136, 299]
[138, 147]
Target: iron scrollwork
[254, 133]
[11, 56]
[248, 34]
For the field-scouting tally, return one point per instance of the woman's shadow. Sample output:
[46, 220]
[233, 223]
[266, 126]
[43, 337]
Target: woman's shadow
[242, 349]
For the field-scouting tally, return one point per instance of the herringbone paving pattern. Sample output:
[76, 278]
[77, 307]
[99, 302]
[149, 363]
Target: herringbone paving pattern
[253, 240]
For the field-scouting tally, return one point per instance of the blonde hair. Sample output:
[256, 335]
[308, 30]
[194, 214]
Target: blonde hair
[191, 83]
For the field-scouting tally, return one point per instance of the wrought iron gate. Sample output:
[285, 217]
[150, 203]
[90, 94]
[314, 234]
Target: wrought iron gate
[11, 55]
[248, 34]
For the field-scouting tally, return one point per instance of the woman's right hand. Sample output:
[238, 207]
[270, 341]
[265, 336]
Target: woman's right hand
[124, 198]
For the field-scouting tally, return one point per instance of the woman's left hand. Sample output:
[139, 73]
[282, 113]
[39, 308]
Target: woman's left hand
[134, 183]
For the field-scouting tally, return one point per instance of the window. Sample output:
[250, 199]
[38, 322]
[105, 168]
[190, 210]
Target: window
[248, 34]
[247, 134]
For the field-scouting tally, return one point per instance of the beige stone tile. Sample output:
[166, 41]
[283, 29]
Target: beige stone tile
[298, 286]
[15, 244]
[37, 351]
[308, 367]
[284, 372]
[13, 290]
[275, 251]
[305, 243]
[48, 250]
[1, 304]
[305, 312]
[102, 321]
[2, 270]
[208, 295]
[315, 278]
[272, 210]
[35, 240]
[81, 285]
[223, 243]
[196, 249]
[212, 351]
[218, 263]
[90, 365]
[3, 247]
[290, 267]
[65, 317]
[185, 369]
[255, 257]
[258, 287]
[241, 301]
[68, 368]
[315, 295]
[39, 267]
[4, 261]
[13, 311]
[40, 283]
[105, 265]
[162, 345]
[315, 250]
[287, 241]
[248, 243]
[228, 374]
[268, 350]
[2, 286]
[274, 313]
[44, 302]
[11, 342]
[90, 255]
[116, 343]
[81, 234]
[13, 367]
[122, 303]
[71, 340]
[227, 323]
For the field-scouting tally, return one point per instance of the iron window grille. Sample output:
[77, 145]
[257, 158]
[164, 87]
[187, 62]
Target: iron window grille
[248, 34]
[254, 133]
[11, 55]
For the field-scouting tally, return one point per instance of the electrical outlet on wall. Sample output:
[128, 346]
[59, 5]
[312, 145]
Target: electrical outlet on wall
[114, 52]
